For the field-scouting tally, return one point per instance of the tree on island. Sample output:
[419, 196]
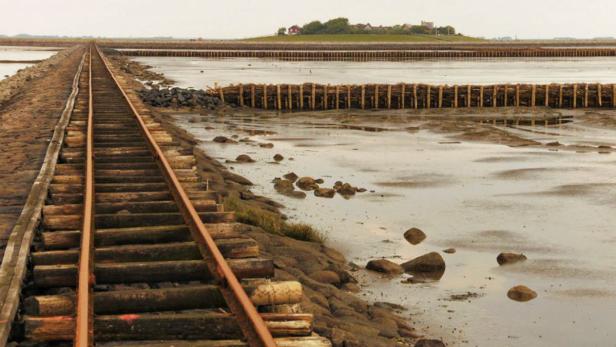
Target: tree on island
[282, 31]
[312, 28]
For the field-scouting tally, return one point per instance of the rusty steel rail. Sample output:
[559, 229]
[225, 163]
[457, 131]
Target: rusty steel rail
[84, 321]
[250, 322]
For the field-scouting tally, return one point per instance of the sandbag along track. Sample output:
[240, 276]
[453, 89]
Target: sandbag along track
[162, 264]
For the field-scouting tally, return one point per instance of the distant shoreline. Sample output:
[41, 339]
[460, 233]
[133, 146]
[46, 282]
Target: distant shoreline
[20, 61]
[313, 42]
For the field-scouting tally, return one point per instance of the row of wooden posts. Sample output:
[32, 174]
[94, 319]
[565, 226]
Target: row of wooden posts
[312, 96]
[384, 55]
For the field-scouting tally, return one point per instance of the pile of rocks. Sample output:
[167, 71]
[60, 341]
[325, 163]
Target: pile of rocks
[311, 184]
[178, 97]
[426, 268]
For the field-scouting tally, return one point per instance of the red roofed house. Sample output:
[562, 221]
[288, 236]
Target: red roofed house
[294, 30]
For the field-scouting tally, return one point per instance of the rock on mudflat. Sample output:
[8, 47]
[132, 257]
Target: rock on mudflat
[506, 258]
[521, 293]
[266, 145]
[307, 183]
[429, 343]
[285, 187]
[291, 176]
[384, 266]
[244, 158]
[278, 157]
[223, 139]
[414, 236]
[324, 192]
[449, 250]
[346, 189]
[431, 262]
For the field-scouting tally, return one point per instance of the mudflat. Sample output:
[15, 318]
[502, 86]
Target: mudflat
[476, 189]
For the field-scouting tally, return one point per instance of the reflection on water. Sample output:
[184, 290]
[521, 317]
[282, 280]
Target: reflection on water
[489, 198]
[201, 72]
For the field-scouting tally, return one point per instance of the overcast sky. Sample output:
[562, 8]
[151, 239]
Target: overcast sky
[246, 18]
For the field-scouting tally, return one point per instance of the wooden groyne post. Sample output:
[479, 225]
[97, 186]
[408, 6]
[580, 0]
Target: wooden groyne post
[292, 97]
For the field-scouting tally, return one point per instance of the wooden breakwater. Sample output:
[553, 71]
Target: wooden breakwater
[312, 96]
[346, 46]
[378, 55]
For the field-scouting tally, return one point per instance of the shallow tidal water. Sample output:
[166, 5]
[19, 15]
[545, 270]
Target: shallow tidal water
[202, 72]
[20, 53]
[8, 70]
[555, 206]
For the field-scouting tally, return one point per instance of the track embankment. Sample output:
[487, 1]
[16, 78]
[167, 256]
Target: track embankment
[30, 106]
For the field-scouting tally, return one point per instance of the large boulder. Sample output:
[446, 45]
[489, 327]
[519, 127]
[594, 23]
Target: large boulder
[506, 258]
[521, 293]
[431, 262]
[414, 236]
[384, 266]
[307, 183]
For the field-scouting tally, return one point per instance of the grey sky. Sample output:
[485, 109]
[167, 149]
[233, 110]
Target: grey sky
[245, 18]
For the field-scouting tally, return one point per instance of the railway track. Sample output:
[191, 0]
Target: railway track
[133, 249]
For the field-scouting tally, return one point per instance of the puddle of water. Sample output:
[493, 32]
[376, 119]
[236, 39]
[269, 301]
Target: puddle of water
[202, 72]
[480, 198]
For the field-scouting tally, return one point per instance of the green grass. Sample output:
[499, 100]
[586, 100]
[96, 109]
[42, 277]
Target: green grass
[270, 222]
[302, 231]
[364, 38]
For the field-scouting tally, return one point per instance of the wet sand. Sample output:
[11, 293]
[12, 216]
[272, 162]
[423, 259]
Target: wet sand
[497, 189]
